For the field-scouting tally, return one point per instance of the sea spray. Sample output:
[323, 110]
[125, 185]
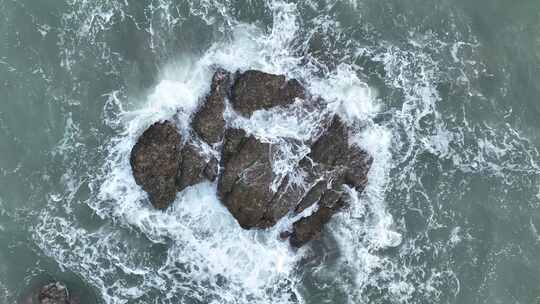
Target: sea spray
[196, 251]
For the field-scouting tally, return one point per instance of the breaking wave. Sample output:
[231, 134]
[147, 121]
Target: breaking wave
[195, 252]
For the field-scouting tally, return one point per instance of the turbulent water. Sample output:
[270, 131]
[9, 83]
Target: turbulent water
[443, 94]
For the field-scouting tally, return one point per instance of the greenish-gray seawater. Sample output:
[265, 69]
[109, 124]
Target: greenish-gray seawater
[448, 92]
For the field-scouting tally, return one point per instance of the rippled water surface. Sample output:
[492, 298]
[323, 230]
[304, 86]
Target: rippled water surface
[446, 93]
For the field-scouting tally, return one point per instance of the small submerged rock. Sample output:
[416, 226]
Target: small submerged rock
[163, 165]
[52, 293]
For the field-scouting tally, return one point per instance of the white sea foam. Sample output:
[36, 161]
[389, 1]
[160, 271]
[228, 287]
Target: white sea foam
[207, 257]
[348, 95]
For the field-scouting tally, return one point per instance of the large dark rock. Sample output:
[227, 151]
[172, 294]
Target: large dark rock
[329, 198]
[208, 122]
[195, 167]
[155, 161]
[332, 149]
[255, 90]
[341, 163]
[245, 184]
[163, 167]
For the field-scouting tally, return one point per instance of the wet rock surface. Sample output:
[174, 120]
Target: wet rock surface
[155, 161]
[244, 186]
[309, 228]
[243, 165]
[341, 163]
[208, 122]
[333, 149]
[195, 167]
[255, 90]
[162, 165]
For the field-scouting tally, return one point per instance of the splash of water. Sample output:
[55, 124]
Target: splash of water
[196, 251]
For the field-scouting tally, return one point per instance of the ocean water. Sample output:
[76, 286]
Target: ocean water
[444, 94]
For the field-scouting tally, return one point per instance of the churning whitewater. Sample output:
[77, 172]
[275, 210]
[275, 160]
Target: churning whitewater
[411, 96]
[206, 256]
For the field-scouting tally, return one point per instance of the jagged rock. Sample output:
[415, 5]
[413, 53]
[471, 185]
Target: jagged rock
[255, 90]
[212, 169]
[312, 196]
[233, 139]
[155, 161]
[309, 228]
[333, 149]
[245, 184]
[285, 199]
[55, 293]
[297, 197]
[343, 164]
[195, 167]
[208, 122]
[163, 167]
[329, 202]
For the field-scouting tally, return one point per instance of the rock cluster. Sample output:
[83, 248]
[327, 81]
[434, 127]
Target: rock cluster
[164, 164]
